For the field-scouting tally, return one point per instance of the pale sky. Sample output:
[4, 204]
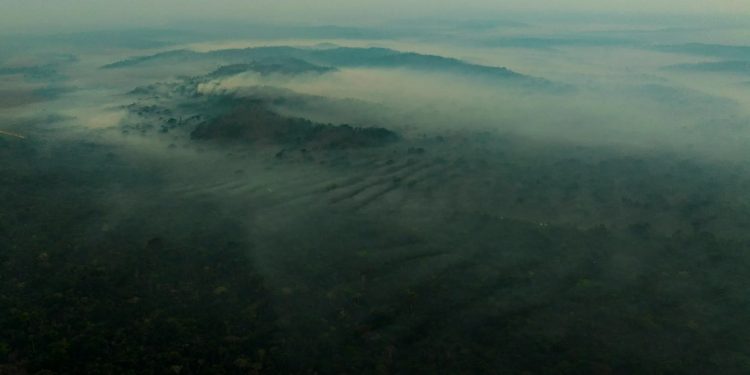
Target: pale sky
[30, 15]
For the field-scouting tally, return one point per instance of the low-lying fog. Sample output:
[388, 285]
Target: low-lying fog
[535, 195]
[620, 88]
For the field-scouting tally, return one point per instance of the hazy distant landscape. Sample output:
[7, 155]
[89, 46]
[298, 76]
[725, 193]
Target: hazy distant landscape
[530, 191]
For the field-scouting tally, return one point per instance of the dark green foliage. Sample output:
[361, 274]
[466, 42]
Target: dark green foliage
[82, 294]
[106, 269]
[512, 297]
[271, 66]
[290, 58]
[252, 122]
[177, 55]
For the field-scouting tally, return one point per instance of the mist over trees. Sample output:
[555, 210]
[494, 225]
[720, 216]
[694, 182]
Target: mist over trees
[285, 188]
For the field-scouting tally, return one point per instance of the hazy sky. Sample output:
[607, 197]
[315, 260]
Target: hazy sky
[30, 15]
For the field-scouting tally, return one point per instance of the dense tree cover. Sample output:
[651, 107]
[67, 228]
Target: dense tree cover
[84, 292]
[165, 284]
[451, 253]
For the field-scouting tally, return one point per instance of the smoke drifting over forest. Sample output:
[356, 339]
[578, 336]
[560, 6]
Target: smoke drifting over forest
[548, 187]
